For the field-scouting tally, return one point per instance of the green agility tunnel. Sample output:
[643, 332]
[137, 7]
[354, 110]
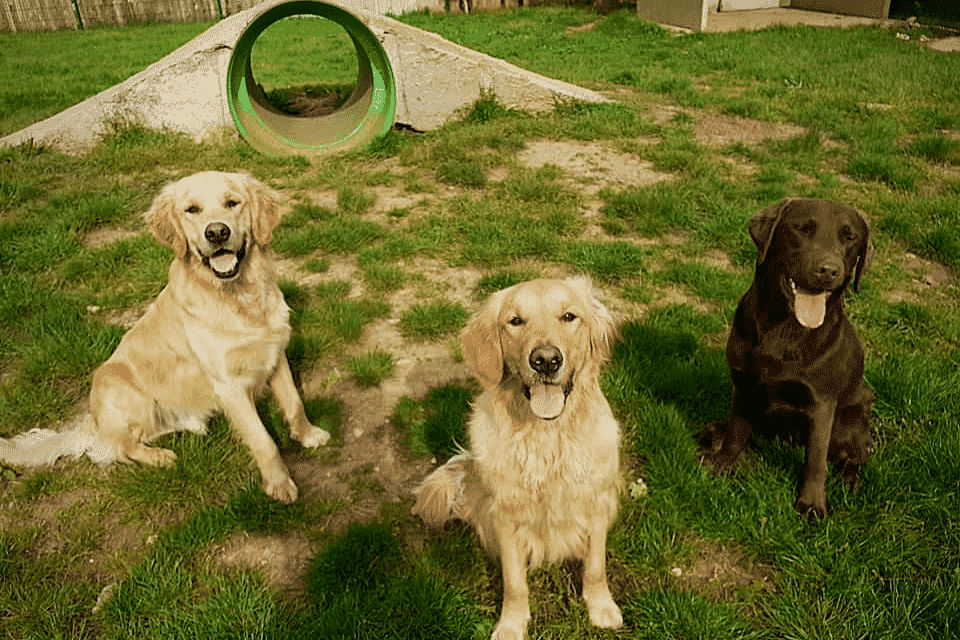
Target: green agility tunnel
[367, 112]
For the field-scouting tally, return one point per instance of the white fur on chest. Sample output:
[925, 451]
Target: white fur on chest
[237, 340]
[552, 470]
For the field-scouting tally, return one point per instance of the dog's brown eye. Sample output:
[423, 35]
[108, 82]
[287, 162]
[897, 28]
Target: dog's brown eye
[516, 321]
[807, 228]
[568, 317]
[193, 209]
[847, 234]
[230, 204]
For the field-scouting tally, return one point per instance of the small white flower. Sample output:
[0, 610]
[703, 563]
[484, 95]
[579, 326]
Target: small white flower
[638, 489]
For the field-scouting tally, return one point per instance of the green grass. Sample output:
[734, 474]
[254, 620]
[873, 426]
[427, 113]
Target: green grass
[371, 369]
[671, 259]
[300, 55]
[429, 321]
[77, 59]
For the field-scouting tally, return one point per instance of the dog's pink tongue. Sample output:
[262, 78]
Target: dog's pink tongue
[810, 308]
[224, 262]
[547, 400]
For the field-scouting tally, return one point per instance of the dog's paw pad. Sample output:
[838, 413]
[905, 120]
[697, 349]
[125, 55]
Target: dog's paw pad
[315, 437]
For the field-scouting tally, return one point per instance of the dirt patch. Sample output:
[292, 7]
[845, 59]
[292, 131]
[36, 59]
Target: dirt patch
[716, 129]
[103, 236]
[592, 165]
[282, 559]
[580, 28]
[310, 104]
[720, 130]
[721, 571]
[926, 276]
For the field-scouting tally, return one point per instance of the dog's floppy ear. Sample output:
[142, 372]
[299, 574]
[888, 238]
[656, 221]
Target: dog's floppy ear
[481, 342]
[264, 209]
[762, 225]
[162, 218]
[602, 326]
[866, 255]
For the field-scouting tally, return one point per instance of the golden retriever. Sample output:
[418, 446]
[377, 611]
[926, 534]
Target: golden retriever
[541, 479]
[213, 338]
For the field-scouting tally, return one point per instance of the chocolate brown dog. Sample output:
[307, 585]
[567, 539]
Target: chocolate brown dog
[795, 360]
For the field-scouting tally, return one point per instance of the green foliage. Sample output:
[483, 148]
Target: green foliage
[371, 369]
[431, 321]
[437, 426]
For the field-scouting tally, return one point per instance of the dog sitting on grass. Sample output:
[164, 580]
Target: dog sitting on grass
[541, 479]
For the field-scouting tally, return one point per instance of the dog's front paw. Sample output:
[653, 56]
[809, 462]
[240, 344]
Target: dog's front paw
[283, 490]
[509, 630]
[315, 437]
[722, 463]
[812, 504]
[605, 613]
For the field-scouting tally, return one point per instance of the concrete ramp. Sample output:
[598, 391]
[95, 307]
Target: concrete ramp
[406, 75]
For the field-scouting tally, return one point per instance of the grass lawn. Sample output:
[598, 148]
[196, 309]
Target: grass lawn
[384, 252]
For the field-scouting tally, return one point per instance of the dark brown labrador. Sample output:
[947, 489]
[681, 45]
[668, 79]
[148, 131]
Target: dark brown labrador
[796, 362]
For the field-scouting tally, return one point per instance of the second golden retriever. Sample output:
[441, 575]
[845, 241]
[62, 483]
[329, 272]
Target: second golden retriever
[541, 479]
[214, 338]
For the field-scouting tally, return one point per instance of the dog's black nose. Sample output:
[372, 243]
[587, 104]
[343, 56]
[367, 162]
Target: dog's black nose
[829, 268]
[217, 233]
[546, 360]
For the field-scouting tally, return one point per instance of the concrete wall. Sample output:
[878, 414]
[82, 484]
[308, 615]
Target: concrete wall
[866, 8]
[689, 14]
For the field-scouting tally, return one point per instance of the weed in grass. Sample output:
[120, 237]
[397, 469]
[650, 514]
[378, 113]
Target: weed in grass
[678, 153]
[935, 148]
[463, 174]
[384, 278]
[494, 282]
[338, 234]
[610, 261]
[707, 282]
[317, 265]
[387, 145]
[431, 321]
[882, 167]
[929, 224]
[681, 89]
[651, 211]
[598, 121]
[324, 319]
[354, 201]
[371, 369]
[437, 426]
[485, 108]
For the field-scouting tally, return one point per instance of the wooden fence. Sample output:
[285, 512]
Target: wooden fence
[53, 15]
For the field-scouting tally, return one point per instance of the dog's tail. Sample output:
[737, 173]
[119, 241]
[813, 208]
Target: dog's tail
[43, 447]
[451, 492]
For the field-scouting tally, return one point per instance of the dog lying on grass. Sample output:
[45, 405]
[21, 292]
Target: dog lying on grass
[795, 360]
[540, 482]
[213, 338]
